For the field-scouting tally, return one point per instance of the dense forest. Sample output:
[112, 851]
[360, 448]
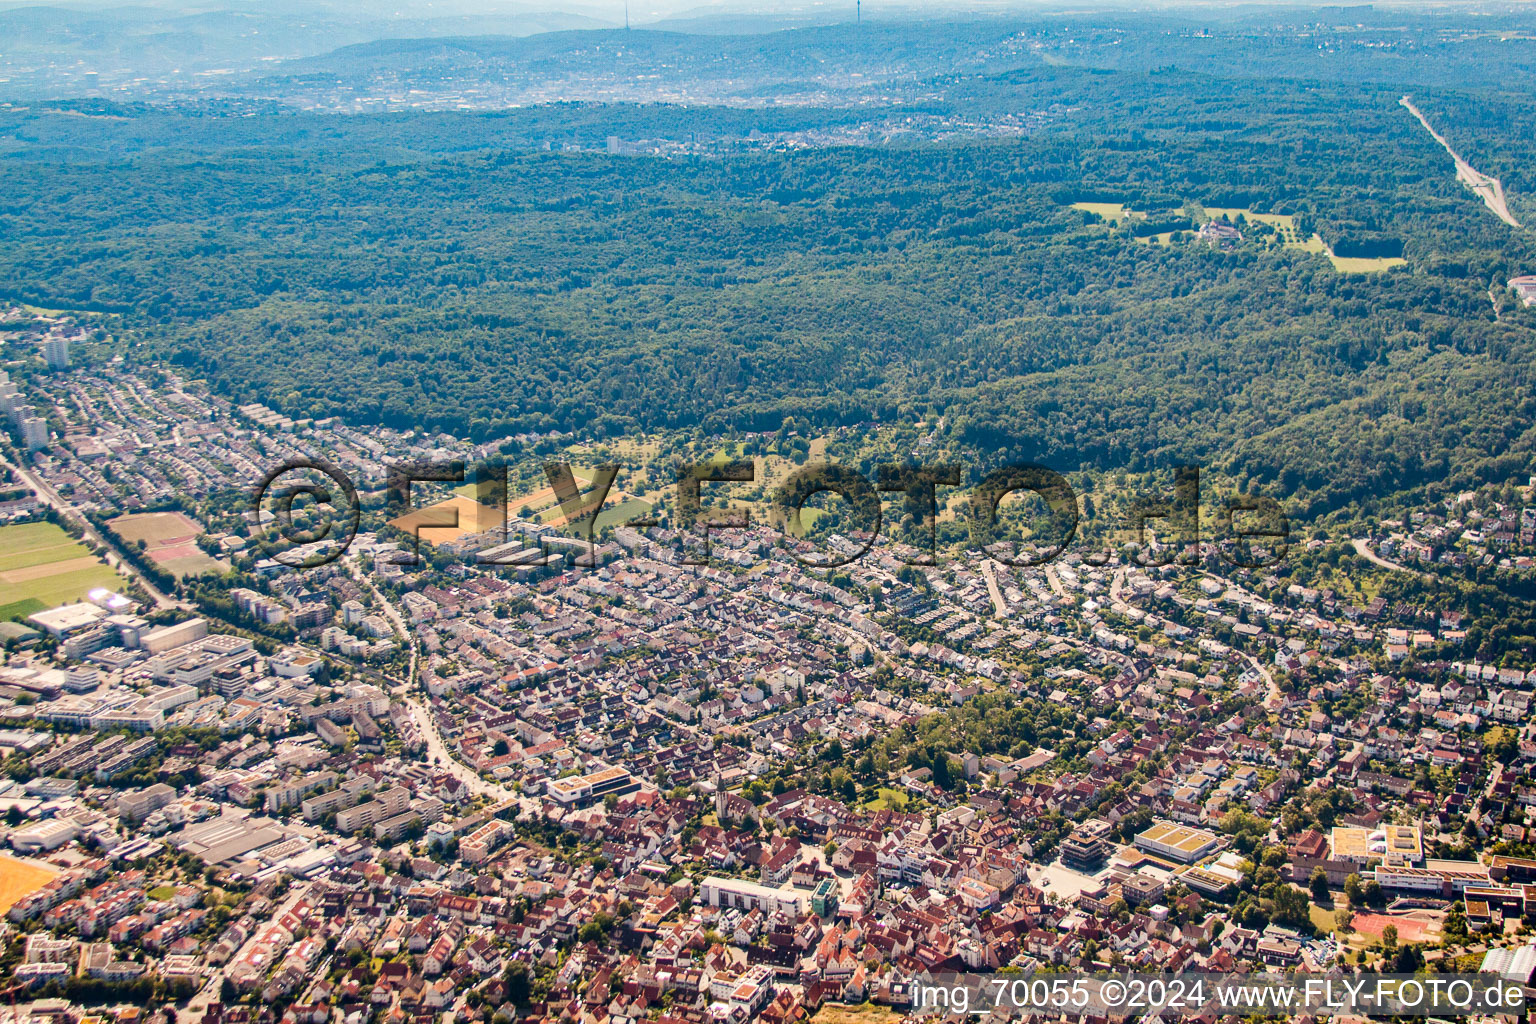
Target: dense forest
[442, 270]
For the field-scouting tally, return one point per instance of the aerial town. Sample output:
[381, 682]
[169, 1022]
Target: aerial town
[546, 779]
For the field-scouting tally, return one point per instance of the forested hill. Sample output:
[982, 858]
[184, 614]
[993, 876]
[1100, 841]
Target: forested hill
[908, 59]
[833, 262]
[60, 50]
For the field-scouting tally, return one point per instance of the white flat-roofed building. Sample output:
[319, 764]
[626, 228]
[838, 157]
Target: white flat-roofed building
[139, 717]
[225, 644]
[43, 948]
[44, 835]
[138, 804]
[52, 789]
[72, 711]
[67, 619]
[34, 432]
[176, 635]
[169, 698]
[746, 895]
[424, 812]
[1525, 287]
[351, 792]
[388, 803]
[752, 989]
[287, 794]
[583, 789]
[56, 351]
[1393, 845]
[1447, 878]
[292, 664]
[195, 669]
[477, 847]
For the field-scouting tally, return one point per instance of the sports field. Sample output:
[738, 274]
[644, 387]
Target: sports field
[17, 878]
[1419, 927]
[170, 540]
[41, 566]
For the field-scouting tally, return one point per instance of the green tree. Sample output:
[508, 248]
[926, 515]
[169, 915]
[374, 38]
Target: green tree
[1318, 883]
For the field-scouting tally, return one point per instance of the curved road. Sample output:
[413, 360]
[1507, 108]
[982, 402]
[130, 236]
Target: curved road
[1363, 549]
[391, 613]
[445, 758]
[1274, 696]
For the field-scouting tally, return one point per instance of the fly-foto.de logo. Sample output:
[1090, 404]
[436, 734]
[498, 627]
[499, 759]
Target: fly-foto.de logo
[1250, 531]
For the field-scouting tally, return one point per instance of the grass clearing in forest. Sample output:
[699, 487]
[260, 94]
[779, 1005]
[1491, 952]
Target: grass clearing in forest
[1114, 213]
[1365, 264]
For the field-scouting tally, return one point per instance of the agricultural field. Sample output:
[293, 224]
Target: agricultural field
[170, 541]
[618, 515]
[864, 1013]
[41, 566]
[1285, 224]
[473, 517]
[534, 502]
[1282, 221]
[612, 501]
[541, 506]
[17, 878]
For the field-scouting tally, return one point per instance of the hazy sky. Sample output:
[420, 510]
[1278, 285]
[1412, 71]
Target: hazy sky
[645, 11]
[613, 10]
[606, 8]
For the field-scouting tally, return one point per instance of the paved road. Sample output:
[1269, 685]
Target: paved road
[1363, 549]
[442, 756]
[1117, 586]
[390, 612]
[1274, 696]
[1487, 187]
[846, 880]
[209, 993]
[1055, 582]
[989, 573]
[437, 751]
